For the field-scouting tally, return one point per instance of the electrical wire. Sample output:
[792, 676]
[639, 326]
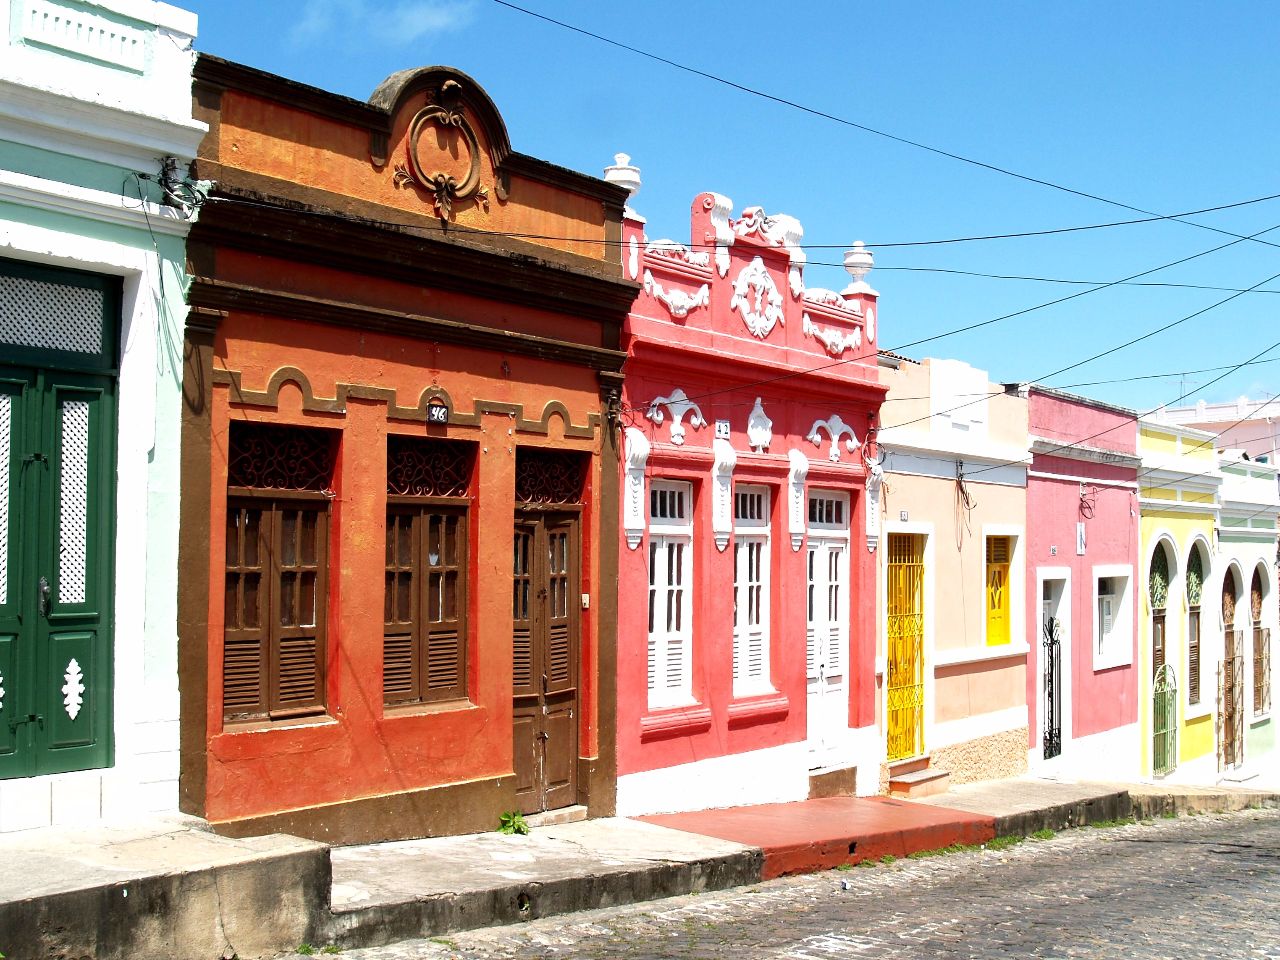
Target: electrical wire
[1128, 419]
[711, 245]
[844, 121]
[1083, 283]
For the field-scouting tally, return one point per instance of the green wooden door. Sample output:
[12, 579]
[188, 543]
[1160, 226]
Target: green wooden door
[57, 495]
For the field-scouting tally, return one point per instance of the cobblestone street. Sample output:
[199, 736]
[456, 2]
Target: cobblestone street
[1205, 886]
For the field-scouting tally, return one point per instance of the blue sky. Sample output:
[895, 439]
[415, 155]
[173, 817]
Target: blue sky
[1167, 107]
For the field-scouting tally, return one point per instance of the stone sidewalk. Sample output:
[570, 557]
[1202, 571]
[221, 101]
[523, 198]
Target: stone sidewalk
[172, 889]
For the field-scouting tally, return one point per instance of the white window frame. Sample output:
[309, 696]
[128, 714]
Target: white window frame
[751, 548]
[670, 539]
[1116, 649]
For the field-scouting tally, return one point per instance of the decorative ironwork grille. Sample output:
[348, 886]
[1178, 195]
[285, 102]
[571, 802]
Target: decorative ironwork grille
[270, 457]
[549, 476]
[74, 503]
[1164, 747]
[6, 434]
[51, 316]
[1158, 582]
[905, 689]
[1052, 645]
[418, 467]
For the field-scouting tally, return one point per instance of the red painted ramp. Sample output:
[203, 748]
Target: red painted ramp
[813, 835]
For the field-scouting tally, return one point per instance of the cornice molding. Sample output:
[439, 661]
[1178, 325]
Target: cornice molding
[97, 205]
[377, 117]
[93, 131]
[1043, 446]
[375, 249]
[218, 295]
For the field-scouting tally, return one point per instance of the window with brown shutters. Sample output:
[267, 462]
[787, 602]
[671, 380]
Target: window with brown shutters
[427, 562]
[276, 571]
[1193, 655]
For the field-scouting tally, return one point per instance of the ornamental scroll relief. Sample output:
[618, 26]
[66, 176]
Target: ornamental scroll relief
[445, 121]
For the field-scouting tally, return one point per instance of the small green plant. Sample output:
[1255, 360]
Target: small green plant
[888, 858]
[1169, 815]
[1044, 833]
[1003, 843]
[866, 863]
[306, 949]
[843, 867]
[1107, 824]
[331, 948]
[513, 822]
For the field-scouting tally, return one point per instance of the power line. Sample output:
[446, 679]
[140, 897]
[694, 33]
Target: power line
[844, 121]
[693, 245]
[1083, 283]
[1132, 418]
[982, 323]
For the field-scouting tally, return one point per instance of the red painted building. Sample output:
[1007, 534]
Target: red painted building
[399, 488]
[1082, 532]
[746, 634]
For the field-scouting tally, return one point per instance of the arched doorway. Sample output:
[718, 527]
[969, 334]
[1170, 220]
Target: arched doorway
[1231, 682]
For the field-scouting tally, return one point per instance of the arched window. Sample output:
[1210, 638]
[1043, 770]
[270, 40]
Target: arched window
[1261, 647]
[1158, 594]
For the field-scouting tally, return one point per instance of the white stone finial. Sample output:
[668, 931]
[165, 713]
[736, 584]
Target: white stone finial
[624, 174]
[858, 261]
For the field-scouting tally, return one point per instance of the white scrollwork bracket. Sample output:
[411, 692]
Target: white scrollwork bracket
[722, 492]
[73, 688]
[837, 428]
[677, 302]
[677, 404]
[795, 496]
[637, 455]
[875, 480]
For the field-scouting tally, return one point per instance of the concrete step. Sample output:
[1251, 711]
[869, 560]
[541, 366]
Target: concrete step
[919, 783]
[385, 892]
[164, 888]
[554, 818]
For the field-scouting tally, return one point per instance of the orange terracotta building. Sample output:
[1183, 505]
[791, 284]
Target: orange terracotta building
[399, 504]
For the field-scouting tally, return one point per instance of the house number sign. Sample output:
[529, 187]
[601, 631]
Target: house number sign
[722, 430]
[437, 412]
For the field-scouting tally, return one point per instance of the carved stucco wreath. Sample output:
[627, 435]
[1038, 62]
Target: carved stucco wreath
[445, 186]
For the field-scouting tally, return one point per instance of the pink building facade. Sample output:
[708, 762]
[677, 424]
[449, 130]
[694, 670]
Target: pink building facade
[746, 582]
[1082, 531]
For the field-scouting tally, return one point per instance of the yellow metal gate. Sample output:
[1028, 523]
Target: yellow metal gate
[904, 696]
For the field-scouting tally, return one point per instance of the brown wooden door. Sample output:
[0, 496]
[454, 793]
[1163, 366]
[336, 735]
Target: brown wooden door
[545, 588]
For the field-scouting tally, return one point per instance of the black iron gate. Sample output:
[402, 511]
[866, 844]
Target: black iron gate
[1052, 644]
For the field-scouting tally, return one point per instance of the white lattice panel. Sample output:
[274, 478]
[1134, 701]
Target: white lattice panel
[53, 316]
[74, 502]
[6, 443]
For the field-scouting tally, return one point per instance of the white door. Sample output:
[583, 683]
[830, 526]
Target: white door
[827, 635]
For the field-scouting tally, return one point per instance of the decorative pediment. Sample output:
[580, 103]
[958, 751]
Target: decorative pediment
[445, 156]
[678, 405]
[757, 298]
[779, 230]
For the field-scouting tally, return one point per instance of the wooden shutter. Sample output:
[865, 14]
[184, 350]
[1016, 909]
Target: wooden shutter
[300, 533]
[444, 558]
[522, 612]
[401, 664]
[246, 641]
[1193, 655]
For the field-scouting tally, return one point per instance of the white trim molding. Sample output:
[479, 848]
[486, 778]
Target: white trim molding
[722, 492]
[796, 499]
[637, 449]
